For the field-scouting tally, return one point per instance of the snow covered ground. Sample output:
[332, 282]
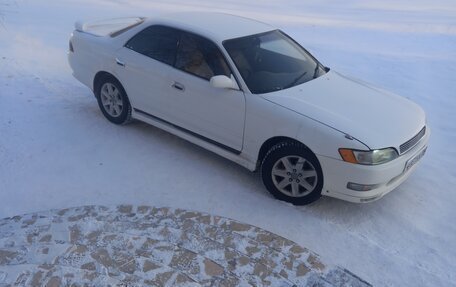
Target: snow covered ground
[57, 150]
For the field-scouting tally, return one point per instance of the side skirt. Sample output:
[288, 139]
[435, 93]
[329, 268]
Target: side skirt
[222, 146]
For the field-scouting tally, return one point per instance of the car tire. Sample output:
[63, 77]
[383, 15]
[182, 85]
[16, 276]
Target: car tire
[113, 100]
[292, 173]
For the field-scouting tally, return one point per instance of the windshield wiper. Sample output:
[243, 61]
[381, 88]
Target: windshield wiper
[295, 80]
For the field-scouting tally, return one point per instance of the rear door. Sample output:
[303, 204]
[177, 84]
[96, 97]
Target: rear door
[144, 66]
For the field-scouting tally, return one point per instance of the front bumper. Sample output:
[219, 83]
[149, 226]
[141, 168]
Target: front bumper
[338, 173]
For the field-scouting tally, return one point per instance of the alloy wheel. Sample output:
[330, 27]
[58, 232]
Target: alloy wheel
[111, 100]
[294, 176]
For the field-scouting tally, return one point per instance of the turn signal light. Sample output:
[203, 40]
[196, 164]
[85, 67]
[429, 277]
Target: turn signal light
[347, 155]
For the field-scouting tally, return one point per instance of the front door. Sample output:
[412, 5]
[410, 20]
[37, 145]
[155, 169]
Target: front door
[214, 114]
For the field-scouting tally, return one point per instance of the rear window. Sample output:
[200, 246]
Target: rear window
[156, 42]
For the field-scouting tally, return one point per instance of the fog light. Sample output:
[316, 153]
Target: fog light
[361, 187]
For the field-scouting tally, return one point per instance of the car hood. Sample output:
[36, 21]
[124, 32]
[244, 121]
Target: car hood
[377, 118]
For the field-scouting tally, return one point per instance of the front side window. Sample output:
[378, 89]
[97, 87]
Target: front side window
[271, 61]
[200, 57]
[156, 42]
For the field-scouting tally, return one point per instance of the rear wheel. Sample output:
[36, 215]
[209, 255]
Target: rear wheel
[113, 100]
[292, 173]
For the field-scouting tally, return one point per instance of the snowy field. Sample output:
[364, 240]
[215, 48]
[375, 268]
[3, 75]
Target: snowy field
[57, 150]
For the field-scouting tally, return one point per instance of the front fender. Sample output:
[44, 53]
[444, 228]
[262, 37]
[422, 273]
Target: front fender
[324, 140]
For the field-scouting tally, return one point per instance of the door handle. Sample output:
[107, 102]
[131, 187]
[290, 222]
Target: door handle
[178, 86]
[120, 63]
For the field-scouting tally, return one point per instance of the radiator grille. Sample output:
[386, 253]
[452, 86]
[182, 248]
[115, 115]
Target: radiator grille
[412, 142]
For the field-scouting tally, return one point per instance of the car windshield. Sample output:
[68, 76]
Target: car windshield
[272, 61]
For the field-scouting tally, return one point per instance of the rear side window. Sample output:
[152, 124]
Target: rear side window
[156, 42]
[200, 57]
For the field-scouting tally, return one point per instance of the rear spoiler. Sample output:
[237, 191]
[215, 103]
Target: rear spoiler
[109, 27]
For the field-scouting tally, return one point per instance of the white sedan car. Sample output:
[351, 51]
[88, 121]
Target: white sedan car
[250, 93]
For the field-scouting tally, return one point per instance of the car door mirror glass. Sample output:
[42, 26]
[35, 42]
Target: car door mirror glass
[223, 82]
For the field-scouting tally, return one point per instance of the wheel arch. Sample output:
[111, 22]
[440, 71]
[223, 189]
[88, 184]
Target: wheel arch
[98, 77]
[268, 144]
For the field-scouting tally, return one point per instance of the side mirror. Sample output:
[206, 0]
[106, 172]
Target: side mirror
[223, 82]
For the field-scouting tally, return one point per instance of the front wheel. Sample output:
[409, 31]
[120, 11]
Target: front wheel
[292, 173]
[113, 101]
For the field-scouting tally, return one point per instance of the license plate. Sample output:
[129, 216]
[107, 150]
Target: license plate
[414, 160]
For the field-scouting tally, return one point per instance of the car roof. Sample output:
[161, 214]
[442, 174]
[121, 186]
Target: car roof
[216, 26]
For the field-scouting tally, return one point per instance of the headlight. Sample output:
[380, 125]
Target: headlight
[372, 157]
